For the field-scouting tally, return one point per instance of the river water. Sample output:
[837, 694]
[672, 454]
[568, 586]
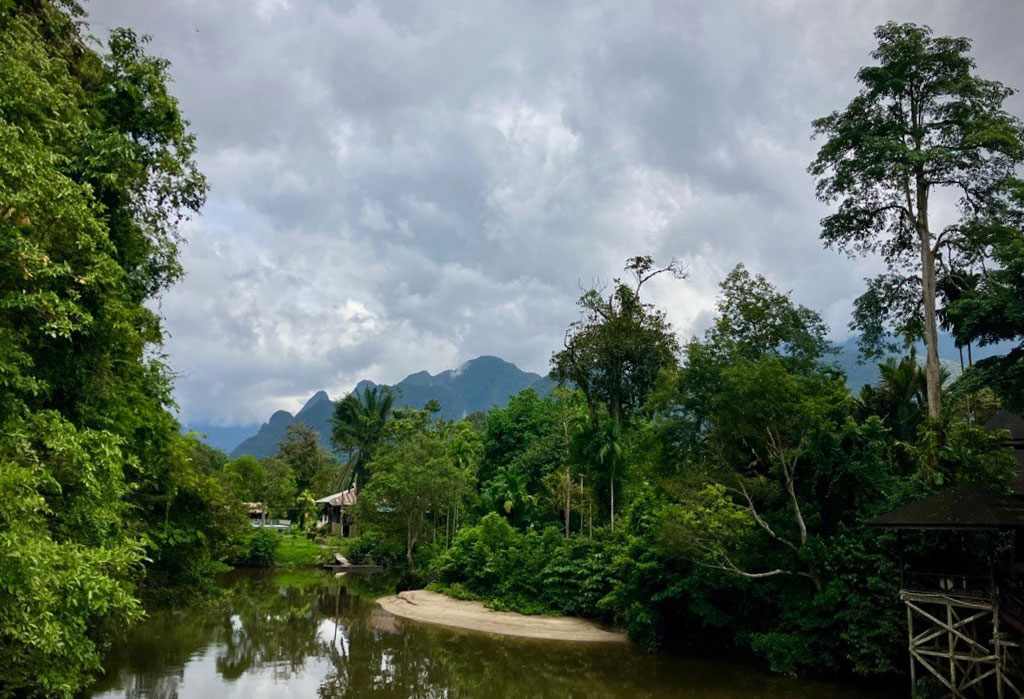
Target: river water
[309, 634]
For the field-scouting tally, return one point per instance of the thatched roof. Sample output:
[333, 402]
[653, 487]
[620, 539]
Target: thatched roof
[964, 507]
[346, 498]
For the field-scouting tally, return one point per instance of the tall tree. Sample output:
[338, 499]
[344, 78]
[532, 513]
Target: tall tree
[97, 170]
[923, 125]
[358, 426]
[301, 450]
[615, 353]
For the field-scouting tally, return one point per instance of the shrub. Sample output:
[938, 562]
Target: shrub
[262, 549]
[371, 546]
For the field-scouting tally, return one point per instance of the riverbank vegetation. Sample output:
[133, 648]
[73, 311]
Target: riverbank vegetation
[713, 491]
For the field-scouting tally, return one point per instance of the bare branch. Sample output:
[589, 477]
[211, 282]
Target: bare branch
[760, 521]
[789, 473]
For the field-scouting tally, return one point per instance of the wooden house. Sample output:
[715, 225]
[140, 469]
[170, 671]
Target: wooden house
[337, 512]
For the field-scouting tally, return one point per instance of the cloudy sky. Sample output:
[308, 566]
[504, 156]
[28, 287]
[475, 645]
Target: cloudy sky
[404, 186]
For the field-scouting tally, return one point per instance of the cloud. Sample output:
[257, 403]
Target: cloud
[404, 186]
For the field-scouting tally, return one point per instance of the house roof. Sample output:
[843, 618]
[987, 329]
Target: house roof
[255, 508]
[964, 507]
[346, 498]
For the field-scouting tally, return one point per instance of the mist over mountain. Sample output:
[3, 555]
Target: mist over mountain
[479, 384]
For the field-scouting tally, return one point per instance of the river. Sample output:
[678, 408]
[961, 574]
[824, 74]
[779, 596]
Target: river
[309, 634]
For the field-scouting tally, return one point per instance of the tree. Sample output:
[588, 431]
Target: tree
[278, 494]
[301, 450]
[900, 398]
[923, 125]
[246, 477]
[414, 477]
[615, 353]
[991, 309]
[97, 171]
[755, 319]
[358, 426]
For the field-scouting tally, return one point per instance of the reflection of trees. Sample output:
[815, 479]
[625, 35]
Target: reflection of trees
[281, 623]
[259, 621]
[269, 626]
[423, 662]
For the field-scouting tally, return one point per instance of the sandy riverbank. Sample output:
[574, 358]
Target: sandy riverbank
[435, 608]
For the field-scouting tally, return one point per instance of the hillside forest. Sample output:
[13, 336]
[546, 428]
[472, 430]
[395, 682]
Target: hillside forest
[707, 494]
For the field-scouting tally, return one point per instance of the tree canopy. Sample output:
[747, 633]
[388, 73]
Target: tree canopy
[923, 125]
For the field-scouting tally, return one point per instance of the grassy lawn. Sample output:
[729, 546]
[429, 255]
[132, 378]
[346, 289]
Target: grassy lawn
[295, 550]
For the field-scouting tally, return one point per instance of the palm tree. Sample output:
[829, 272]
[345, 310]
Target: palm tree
[358, 424]
[609, 455]
[603, 446]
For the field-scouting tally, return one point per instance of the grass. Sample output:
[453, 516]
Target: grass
[295, 550]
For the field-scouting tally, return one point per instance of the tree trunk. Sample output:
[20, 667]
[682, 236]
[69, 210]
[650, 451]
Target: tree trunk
[568, 499]
[931, 329]
[410, 542]
[613, 497]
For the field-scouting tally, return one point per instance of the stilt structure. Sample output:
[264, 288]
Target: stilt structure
[957, 640]
[965, 625]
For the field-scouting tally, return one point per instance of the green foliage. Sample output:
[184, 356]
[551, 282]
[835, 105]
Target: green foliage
[97, 171]
[988, 306]
[358, 427]
[270, 482]
[414, 479]
[300, 450]
[295, 550]
[749, 477]
[199, 521]
[923, 122]
[616, 351]
[532, 572]
[261, 549]
[374, 546]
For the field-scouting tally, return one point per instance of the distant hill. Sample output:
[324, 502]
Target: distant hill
[479, 384]
[486, 382]
[859, 374]
[221, 437]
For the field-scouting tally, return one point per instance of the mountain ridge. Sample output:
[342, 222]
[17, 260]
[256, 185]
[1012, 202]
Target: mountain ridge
[478, 384]
[488, 381]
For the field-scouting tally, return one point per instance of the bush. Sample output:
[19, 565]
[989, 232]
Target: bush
[262, 549]
[371, 546]
[532, 572]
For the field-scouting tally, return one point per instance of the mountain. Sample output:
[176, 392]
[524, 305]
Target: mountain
[486, 382]
[479, 384]
[860, 373]
[221, 437]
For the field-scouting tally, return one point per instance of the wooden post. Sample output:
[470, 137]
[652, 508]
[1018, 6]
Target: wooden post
[910, 650]
[952, 646]
[1000, 649]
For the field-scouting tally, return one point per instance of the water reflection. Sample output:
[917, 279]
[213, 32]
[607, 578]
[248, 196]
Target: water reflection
[308, 634]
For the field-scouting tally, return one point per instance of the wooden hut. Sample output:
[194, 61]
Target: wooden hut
[336, 512]
[965, 618]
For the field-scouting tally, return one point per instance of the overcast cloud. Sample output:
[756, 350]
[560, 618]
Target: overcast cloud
[405, 186]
